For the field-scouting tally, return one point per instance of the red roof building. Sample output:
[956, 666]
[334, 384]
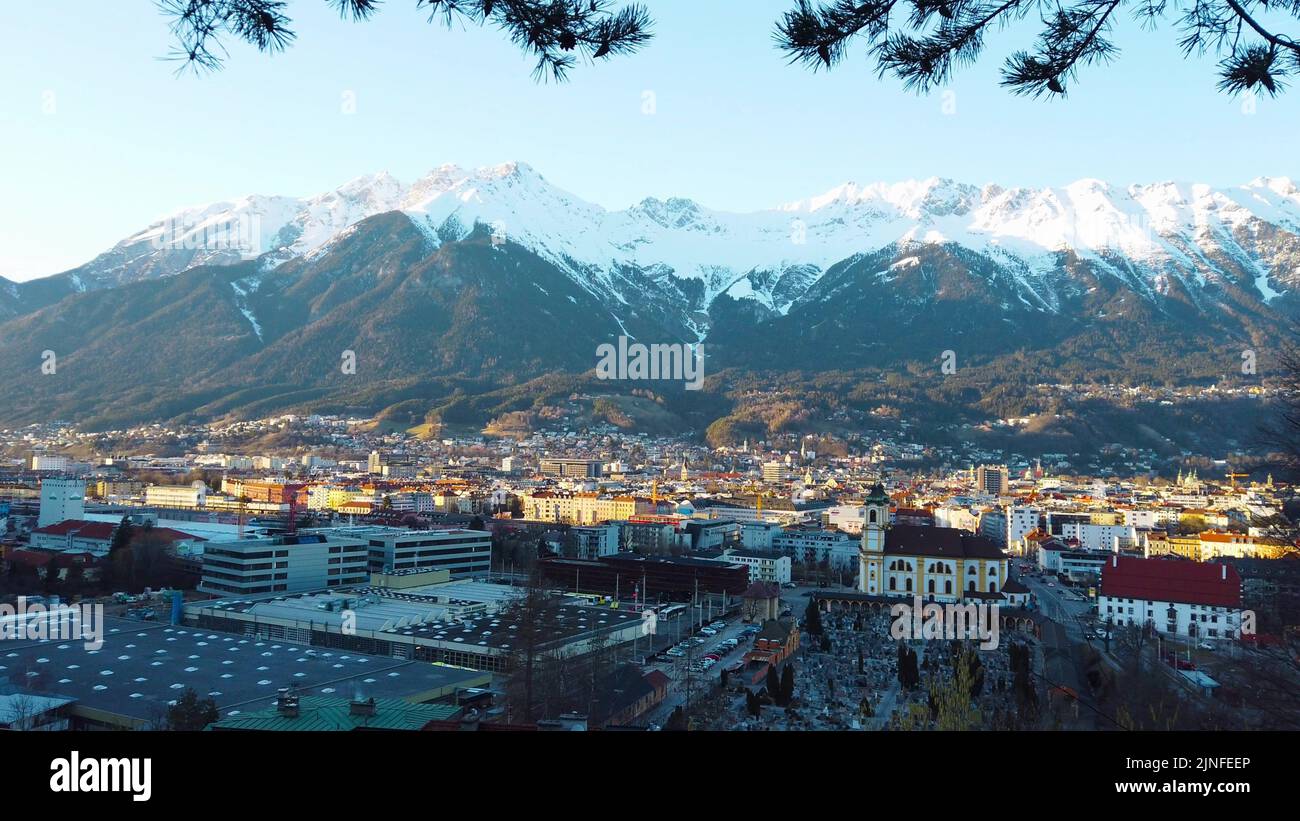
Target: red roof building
[1171, 580]
[72, 535]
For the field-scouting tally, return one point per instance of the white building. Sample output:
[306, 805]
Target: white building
[61, 499]
[838, 549]
[1020, 521]
[759, 535]
[594, 541]
[311, 560]
[764, 566]
[50, 463]
[1111, 538]
[1142, 519]
[465, 553]
[962, 518]
[1193, 600]
[848, 518]
[193, 495]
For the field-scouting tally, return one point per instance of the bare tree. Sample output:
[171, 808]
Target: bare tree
[531, 669]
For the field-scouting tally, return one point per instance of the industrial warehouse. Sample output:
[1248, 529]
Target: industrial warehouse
[143, 667]
[418, 615]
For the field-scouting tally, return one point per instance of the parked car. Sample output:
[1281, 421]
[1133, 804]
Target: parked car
[1205, 645]
[708, 631]
[676, 651]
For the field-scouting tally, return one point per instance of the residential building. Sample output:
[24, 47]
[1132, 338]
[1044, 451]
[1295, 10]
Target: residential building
[1105, 537]
[813, 547]
[1020, 522]
[1177, 598]
[581, 468]
[993, 480]
[848, 518]
[594, 541]
[579, 508]
[759, 535]
[764, 566]
[188, 496]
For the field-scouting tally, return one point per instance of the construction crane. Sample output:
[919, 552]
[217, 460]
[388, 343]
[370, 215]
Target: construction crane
[759, 492]
[1233, 478]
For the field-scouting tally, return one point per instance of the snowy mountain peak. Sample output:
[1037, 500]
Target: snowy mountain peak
[1165, 230]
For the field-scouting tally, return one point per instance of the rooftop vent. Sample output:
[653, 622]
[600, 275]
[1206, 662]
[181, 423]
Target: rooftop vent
[357, 707]
[287, 705]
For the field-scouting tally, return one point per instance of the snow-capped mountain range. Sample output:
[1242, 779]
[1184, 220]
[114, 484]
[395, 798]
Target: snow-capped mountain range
[464, 283]
[1153, 237]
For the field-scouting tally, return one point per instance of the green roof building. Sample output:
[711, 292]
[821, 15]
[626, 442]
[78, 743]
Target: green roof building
[323, 714]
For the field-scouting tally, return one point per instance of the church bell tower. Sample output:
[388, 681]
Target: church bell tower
[871, 552]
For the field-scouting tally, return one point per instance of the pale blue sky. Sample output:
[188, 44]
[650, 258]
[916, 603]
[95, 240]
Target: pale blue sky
[98, 136]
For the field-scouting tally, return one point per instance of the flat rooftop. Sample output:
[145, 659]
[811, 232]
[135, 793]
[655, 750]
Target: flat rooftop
[143, 666]
[374, 607]
[497, 632]
[452, 613]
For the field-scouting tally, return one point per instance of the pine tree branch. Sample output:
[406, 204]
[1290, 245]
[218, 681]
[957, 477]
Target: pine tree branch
[557, 32]
[1277, 40]
[939, 35]
[1073, 35]
[818, 35]
[924, 62]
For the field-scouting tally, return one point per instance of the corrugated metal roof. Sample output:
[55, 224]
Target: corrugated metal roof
[320, 714]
